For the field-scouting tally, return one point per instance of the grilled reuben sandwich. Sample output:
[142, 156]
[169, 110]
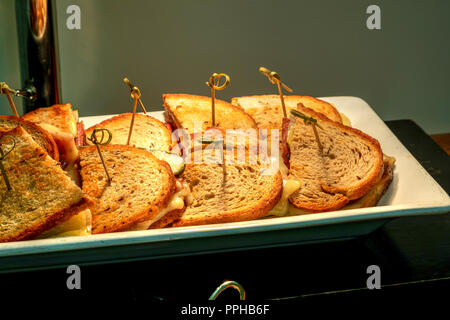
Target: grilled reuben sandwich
[142, 191]
[148, 132]
[344, 166]
[41, 194]
[193, 113]
[230, 192]
[268, 114]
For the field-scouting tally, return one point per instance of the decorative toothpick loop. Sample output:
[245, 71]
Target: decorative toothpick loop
[28, 93]
[136, 95]
[4, 89]
[135, 90]
[101, 141]
[3, 155]
[309, 121]
[214, 84]
[275, 78]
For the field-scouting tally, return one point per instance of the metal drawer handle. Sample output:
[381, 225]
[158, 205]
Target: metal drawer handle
[226, 285]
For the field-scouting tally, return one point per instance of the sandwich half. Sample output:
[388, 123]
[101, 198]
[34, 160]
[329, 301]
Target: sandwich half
[347, 166]
[41, 194]
[143, 189]
[148, 132]
[61, 121]
[268, 113]
[193, 113]
[230, 192]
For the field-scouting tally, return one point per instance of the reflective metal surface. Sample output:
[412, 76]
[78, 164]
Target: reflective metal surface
[38, 61]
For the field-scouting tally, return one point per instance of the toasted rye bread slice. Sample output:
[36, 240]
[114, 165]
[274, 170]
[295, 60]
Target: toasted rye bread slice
[59, 115]
[238, 192]
[350, 164]
[41, 136]
[141, 186]
[148, 132]
[41, 194]
[193, 113]
[371, 198]
[268, 113]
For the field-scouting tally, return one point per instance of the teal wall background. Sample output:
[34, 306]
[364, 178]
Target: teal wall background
[320, 48]
[9, 54]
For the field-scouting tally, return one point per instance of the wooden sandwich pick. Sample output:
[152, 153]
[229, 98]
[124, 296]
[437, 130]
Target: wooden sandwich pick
[214, 84]
[276, 79]
[3, 154]
[4, 89]
[309, 121]
[136, 95]
[133, 88]
[101, 142]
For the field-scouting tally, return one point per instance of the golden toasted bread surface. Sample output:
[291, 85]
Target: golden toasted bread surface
[41, 193]
[148, 132]
[267, 110]
[193, 113]
[141, 186]
[58, 115]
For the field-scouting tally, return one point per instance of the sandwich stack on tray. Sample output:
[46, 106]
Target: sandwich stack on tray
[60, 179]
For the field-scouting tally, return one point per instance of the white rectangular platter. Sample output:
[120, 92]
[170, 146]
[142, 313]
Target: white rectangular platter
[412, 192]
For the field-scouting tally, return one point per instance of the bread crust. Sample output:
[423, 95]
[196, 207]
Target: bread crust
[178, 124]
[61, 216]
[315, 207]
[46, 140]
[123, 116]
[330, 109]
[148, 213]
[59, 115]
[167, 219]
[119, 117]
[374, 195]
